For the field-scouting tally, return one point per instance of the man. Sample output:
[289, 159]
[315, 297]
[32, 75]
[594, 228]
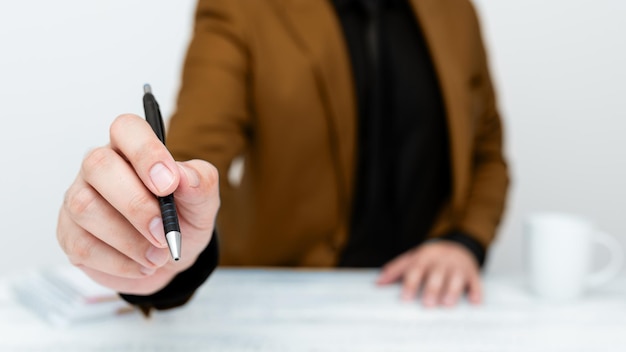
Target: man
[369, 136]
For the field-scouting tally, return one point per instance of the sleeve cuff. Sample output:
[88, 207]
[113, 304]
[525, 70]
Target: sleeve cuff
[180, 290]
[469, 243]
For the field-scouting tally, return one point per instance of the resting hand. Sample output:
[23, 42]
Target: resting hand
[443, 270]
[110, 221]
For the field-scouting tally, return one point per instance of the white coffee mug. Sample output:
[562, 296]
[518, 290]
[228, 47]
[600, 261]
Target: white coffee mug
[559, 251]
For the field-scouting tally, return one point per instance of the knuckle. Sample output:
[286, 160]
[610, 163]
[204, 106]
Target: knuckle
[418, 262]
[78, 250]
[460, 272]
[138, 205]
[95, 160]
[78, 201]
[127, 247]
[126, 268]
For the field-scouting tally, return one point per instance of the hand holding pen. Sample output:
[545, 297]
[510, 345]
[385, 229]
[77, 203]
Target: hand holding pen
[111, 224]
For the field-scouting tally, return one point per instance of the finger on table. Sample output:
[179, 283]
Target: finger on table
[455, 286]
[412, 282]
[433, 286]
[394, 270]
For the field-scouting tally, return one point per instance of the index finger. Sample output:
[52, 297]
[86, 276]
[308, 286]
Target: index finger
[133, 138]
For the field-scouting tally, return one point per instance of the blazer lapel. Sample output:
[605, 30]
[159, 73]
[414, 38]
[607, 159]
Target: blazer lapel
[430, 14]
[316, 28]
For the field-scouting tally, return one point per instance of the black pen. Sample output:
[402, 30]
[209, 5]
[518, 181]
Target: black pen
[168, 208]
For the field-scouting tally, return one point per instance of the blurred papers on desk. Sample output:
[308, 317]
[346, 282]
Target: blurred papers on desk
[65, 296]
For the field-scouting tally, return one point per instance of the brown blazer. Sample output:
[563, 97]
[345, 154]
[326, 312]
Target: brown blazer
[270, 81]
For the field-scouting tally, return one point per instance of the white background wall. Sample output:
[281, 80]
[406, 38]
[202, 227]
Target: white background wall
[68, 67]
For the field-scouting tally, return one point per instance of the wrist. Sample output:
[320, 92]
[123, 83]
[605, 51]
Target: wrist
[477, 250]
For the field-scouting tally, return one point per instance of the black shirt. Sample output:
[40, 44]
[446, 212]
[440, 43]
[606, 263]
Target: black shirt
[403, 169]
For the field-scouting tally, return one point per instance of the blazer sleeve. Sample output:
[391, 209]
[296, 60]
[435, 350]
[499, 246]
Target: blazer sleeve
[489, 176]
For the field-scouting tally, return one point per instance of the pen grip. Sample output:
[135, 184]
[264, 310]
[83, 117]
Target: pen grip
[168, 212]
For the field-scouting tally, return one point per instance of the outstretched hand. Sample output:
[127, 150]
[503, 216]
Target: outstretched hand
[110, 222]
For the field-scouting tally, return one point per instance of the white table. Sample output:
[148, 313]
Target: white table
[283, 310]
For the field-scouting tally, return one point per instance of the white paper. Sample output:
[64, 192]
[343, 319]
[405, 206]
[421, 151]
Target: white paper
[65, 295]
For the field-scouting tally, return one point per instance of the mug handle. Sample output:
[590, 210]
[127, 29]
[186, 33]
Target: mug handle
[613, 268]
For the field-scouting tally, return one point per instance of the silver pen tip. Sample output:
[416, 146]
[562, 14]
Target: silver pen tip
[173, 242]
[147, 89]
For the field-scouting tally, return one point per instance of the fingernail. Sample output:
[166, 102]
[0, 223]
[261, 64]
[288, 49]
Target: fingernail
[192, 176]
[448, 301]
[147, 271]
[157, 256]
[157, 232]
[429, 302]
[162, 178]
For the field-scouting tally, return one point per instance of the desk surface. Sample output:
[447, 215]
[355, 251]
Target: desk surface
[282, 310]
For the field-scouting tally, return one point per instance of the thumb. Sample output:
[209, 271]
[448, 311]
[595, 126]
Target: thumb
[197, 195]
